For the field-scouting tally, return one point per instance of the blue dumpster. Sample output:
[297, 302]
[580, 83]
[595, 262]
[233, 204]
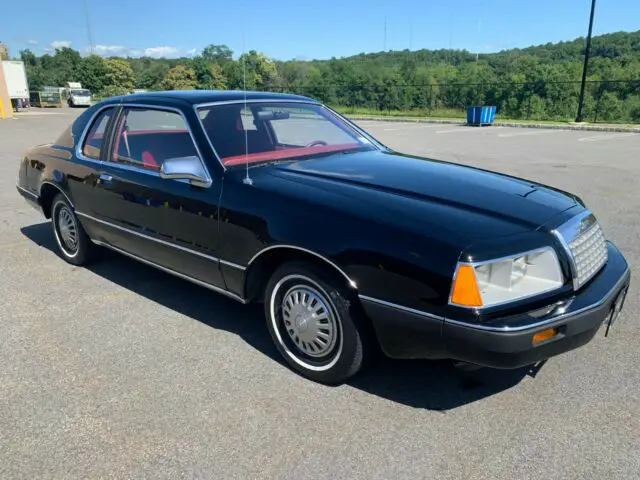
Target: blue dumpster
[481, 115]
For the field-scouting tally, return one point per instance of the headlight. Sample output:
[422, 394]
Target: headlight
[503, 280]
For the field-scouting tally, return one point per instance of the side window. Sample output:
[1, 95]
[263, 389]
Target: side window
[95, 137]
[147, 137]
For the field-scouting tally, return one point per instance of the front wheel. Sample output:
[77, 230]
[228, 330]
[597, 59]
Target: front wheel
[316, 327]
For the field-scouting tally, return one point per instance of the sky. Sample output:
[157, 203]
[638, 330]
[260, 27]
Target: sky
[312, 29]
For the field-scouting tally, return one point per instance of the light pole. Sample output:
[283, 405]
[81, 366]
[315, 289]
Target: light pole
[586, 61]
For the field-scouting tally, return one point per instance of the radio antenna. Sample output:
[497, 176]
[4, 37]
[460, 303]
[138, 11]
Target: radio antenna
[247, 179]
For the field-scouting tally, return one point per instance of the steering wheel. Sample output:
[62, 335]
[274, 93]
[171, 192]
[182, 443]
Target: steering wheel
[316, 143]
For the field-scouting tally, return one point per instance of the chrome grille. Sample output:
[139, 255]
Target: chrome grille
[585, 243]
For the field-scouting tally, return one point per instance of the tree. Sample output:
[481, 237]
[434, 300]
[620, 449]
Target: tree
[119, 78]
[209, 76]
[93, 73]
[260, 70]
[218, 80]
[180, 78]
[217, 53]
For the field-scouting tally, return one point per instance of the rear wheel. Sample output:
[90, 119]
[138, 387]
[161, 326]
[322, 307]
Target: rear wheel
[74, 244]
[315, 326]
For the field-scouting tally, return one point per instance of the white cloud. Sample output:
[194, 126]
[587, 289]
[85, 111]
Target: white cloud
[164, 51]
[110, 50]
[31, 41]
[60, 44]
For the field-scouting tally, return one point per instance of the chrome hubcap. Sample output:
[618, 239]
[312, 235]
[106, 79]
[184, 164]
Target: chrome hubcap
[309, 320]
[68, 229]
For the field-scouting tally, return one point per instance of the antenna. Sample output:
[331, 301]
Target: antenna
[86, 14]
[247, 179]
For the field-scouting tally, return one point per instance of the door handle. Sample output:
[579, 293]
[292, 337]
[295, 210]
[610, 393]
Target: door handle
[104, 178]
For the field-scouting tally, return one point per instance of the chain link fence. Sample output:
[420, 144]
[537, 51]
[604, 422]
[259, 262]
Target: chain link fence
[605, 101]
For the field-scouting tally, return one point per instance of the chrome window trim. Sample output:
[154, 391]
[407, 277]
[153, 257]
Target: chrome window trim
[501, 259]
[173, 272]
[352, 284]
[160, 241]
[85, 131]
[28, 192]
[401, 307]
[78, 149]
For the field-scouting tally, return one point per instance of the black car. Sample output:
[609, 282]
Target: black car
[351, 246]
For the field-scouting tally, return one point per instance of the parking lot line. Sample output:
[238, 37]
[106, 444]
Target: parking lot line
[468, 129]
[595, 138]
[530, 132]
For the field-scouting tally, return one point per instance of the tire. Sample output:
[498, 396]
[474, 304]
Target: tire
[328, 350]
[74, 244]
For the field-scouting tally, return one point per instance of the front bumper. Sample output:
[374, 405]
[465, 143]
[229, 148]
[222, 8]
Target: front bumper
[505, 342]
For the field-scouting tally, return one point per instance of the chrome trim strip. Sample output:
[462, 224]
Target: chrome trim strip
[28, 192]
[400, 307]
[233, 265]
[78, 146]
[255, 100]
[147, 237]
[557, 318]
[59, 189]
[174, 273]
[352, 284]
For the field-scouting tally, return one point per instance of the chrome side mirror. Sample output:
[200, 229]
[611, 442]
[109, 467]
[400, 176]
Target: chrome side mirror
[185, 168]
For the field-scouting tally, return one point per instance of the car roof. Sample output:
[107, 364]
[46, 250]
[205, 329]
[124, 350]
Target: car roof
[195, 97]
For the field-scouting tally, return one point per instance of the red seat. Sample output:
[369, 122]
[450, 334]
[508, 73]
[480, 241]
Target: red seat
[148, 161]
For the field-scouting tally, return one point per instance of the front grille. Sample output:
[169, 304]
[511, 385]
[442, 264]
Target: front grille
[586, 244]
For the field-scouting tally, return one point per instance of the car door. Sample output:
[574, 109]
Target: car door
[169, 223]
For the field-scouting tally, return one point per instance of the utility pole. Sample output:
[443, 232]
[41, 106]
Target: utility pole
[586, 62]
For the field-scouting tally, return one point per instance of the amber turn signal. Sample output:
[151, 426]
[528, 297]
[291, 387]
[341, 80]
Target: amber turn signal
[465, 291]
[545, 335]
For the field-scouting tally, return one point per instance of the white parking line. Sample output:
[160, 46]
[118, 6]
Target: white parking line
[467, 129]
[595, 138]
[520, 134]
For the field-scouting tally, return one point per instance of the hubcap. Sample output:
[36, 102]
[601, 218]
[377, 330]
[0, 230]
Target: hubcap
[309, 320]
[68, 229]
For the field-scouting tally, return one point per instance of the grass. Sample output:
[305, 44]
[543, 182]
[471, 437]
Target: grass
[454, 115]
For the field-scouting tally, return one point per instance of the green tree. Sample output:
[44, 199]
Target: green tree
[119, 78]
[92, 73]
[180, 78]
[217, 53]
[260, 71]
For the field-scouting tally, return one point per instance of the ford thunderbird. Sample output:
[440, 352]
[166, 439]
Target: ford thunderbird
[351, 247]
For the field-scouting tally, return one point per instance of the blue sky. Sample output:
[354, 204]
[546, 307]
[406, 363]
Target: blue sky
[286, 29]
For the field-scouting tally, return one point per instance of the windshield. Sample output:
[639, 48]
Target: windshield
[80, 93]
[276, 131]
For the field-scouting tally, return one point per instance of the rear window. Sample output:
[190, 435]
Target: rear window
[92, 147]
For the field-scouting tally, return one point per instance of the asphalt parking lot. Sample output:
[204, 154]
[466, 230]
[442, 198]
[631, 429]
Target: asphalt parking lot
[121, 371]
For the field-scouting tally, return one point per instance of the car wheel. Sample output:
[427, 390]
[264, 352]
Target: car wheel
[315, 325]
[74, 244]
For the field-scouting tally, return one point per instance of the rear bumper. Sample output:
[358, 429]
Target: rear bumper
[506, 342]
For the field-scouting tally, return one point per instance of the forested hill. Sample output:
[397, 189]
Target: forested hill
[539, 82]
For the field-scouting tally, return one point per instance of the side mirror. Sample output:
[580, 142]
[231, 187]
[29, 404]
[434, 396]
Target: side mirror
[185, 168]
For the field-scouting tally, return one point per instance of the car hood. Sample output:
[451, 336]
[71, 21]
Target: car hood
[464, 200]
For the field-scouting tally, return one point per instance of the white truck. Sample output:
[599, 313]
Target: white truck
[16, 79]
[77, 96]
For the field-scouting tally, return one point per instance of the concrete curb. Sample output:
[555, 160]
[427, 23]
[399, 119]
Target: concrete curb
[596, 128]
